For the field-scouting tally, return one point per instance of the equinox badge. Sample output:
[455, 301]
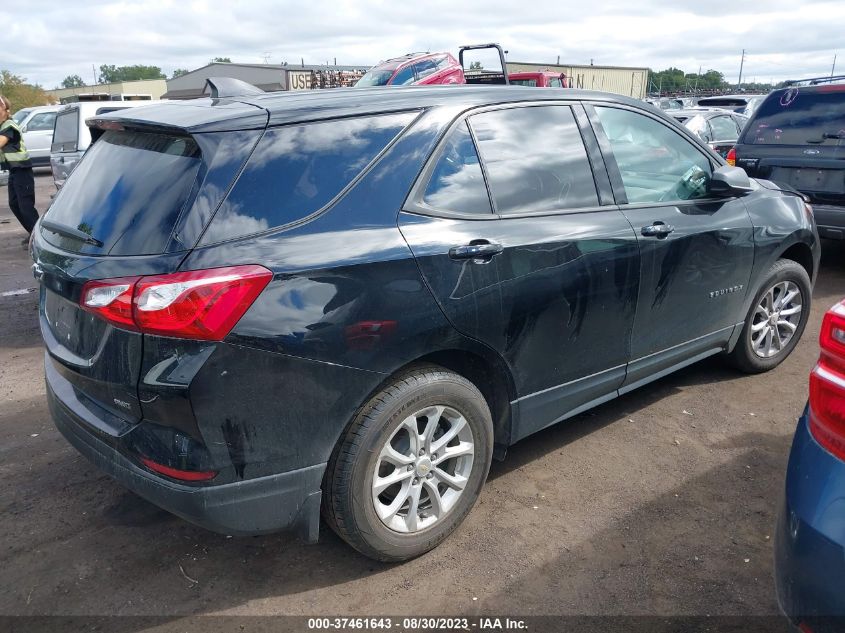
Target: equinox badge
[725, 291]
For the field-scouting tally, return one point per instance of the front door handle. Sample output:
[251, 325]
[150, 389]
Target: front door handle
[658, 229]
[483, 251]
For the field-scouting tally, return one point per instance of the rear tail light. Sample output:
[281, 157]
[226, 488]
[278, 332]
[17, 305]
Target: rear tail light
[827, 384]
[198, 304]
[112, 300]
[731, 157]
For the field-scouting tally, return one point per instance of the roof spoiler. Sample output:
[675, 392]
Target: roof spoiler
[222, 87]
[814, 81]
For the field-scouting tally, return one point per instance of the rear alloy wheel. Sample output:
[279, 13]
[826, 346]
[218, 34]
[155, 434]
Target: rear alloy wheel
[411, 465]
[776, 320]
[422, 470]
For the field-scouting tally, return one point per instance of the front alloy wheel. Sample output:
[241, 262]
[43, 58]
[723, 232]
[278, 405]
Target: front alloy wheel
[776, 319]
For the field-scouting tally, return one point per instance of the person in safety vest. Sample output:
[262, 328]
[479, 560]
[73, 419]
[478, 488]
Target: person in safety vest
[14, 157]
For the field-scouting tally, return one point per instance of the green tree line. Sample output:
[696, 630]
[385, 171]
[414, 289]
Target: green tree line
[674, 80]
[109, 73]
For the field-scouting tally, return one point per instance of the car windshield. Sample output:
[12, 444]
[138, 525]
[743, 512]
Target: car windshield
[375, 78]
[20, 115]
[797, 117]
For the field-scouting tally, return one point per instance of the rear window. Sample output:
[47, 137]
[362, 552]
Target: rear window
[724, 103]
[799, 117]
[66, 132]
[127, 193]
[297, 170]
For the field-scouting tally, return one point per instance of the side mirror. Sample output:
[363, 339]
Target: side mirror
[730, 181]
[23, 129]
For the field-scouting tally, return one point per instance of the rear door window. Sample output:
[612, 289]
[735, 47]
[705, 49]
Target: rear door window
[457, 183]
[799, 117]
[535, 159]
[297, 170]
[127, 193]
[66, 132]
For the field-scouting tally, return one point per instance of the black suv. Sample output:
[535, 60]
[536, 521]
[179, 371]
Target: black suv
[797, 137]
[257, 307]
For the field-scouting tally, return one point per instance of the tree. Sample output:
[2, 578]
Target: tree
[20, 93]
[475, 66]
[72, 81]
[674, 80]
[221, 60]
[110, 74]
[179, 72]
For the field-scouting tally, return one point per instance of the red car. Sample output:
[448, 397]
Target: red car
[415, 68]
[544, 79]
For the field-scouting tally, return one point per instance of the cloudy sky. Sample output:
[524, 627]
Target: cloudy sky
[786, 39]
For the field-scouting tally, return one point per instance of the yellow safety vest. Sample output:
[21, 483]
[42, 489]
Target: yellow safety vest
[11, 157]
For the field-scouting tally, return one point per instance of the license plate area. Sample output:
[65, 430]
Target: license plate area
[810, 179]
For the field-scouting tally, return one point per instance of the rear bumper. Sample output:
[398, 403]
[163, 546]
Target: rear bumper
[830, 221]
[810, 536]
[286, 501]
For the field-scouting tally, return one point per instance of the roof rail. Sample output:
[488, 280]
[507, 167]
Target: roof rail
[814, 81]
[221, 87]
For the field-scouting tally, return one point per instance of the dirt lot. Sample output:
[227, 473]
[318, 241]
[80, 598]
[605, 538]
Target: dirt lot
[659, 503]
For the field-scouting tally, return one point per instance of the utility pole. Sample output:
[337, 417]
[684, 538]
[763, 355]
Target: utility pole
[832, 68]
[741, 64]
[697, 77]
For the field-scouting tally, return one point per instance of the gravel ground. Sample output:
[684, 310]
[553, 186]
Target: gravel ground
[659, 503]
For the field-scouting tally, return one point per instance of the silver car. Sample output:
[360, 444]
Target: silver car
[37, 127]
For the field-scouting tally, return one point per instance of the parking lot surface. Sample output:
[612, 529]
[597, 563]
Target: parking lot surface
[661, 502]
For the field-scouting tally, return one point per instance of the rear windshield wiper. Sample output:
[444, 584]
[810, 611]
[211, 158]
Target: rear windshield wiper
[69, 231]
[825, 136]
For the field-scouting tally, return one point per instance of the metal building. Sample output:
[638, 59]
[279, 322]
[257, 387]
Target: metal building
[631, 82]
[118, 91]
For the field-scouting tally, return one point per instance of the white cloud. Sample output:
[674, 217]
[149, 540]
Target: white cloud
[783, 39]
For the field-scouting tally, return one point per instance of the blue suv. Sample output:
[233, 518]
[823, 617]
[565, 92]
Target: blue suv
[810, 537]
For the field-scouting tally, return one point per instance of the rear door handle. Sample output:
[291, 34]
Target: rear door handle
[476, 251]
[658, 229]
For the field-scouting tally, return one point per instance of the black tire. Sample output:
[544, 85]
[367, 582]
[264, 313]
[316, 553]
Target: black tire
[348, 504]
[743, 356]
